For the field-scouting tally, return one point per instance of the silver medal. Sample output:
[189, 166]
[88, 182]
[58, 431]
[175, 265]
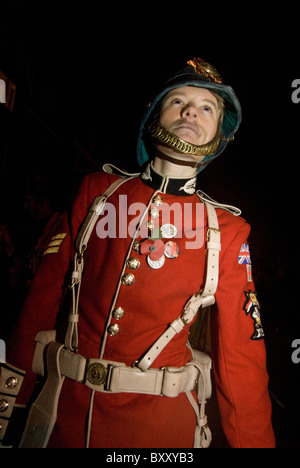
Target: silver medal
[156, 264]
[168, 230]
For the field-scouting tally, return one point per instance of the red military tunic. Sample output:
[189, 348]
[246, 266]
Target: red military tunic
[151, 302]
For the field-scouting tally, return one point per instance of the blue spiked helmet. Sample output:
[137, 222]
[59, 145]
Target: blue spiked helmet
[201, 74]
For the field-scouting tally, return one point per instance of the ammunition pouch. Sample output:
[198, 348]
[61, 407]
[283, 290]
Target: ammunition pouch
[11, 379]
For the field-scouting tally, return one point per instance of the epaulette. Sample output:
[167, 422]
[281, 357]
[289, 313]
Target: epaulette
[207, 199]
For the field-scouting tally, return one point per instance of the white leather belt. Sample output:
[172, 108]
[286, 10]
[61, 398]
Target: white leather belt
[111, 377]
[114, 377]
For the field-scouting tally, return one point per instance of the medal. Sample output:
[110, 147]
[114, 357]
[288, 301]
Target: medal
[172, 249]
[156, 250]
[156, 264]
[168, 231]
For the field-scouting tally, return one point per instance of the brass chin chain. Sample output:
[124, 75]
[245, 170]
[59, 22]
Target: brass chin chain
[169, 139]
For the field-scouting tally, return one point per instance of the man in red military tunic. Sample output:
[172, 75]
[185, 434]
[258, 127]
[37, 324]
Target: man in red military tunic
[147, 255]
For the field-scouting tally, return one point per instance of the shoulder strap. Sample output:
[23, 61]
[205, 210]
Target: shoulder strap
[95, 210]
[207, 199]
[203, 298]
[83, 236]
[213, 246]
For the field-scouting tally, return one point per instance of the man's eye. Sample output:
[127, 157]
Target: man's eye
[207, 109]
[176, 101]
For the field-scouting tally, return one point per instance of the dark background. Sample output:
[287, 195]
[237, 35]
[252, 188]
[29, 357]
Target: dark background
[84, 73]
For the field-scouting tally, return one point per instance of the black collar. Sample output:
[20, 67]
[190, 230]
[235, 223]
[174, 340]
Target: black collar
[170, 185]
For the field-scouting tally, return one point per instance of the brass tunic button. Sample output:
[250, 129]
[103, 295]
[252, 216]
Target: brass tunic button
[150, 225]
[133, 263]
[128, 279]
[11, 382]
[113, 329]
[3, 405]
[154, 212]
[118, 313]
[136, 246]
[158, 200]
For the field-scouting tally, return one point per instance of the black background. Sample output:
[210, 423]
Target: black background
[84, 72]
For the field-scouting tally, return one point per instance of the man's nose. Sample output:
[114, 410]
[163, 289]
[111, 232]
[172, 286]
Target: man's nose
[190, 111]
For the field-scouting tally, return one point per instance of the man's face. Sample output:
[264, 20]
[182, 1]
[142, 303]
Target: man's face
[191, 113]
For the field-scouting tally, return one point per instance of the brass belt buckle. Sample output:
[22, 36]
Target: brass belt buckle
[96, 373]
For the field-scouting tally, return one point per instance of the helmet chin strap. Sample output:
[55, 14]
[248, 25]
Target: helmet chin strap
[164, 137]
[179, 162]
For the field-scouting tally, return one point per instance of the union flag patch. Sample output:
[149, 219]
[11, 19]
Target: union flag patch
[245, 259]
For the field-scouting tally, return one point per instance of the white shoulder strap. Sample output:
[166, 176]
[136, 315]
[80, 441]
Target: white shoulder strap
[83, 236]
[94, 212]
[207, 199]
[203, 298]
[213, 246]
